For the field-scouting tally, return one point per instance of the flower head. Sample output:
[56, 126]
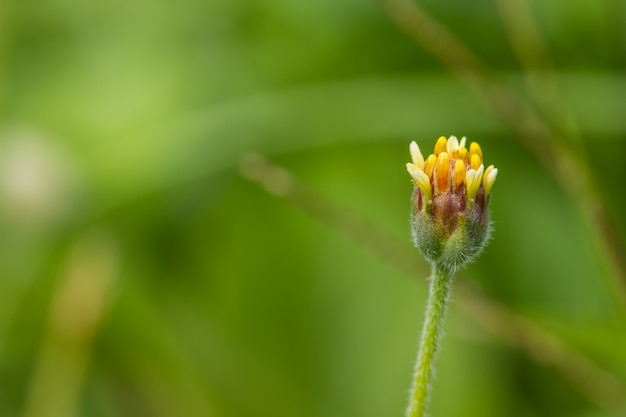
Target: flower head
[450, 200]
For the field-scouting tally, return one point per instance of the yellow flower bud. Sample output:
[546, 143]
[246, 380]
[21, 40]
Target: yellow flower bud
[450, 218]
[452, 178]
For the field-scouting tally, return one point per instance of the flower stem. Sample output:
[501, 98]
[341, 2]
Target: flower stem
[440, 286]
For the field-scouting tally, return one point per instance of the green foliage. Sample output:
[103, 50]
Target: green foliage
[141, 275]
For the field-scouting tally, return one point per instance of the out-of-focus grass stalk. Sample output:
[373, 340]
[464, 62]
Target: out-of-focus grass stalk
[545, 141]
[597, 384]
[76, 310]
[543, 89]
[5, 33]
[535, 58]
[541, 83]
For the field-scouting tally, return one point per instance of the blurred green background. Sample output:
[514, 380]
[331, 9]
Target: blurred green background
[142, 275]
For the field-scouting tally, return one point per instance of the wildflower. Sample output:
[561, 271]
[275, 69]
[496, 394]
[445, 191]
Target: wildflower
[450, 201]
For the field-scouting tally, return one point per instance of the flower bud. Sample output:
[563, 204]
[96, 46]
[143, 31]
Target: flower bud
[450, 219]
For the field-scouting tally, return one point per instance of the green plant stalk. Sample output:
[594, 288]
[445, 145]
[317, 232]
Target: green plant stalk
[440, 287]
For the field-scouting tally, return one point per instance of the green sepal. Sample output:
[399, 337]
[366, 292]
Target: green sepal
[459, 248]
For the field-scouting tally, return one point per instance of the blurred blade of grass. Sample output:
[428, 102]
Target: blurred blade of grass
[539, 72]
[597, 384]
[549, 145]
[186, 364]
[140, 369]
[143, 160]
[210, 139]
[233, 372]
[76, 311]
[5, 33]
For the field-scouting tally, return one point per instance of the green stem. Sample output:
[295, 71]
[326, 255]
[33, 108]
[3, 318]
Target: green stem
[440, 286]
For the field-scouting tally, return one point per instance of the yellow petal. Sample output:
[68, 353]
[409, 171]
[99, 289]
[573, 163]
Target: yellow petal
[472, 181]
[459, 173]
[429, 165]
[463, 155]
[421, 180]
[475, 150]
[489, 178]
[475, 161]
[441, 145]
[453, 145]
[416, 155]
[442, 173]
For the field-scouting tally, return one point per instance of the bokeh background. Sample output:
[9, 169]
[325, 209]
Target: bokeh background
[204, 206]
